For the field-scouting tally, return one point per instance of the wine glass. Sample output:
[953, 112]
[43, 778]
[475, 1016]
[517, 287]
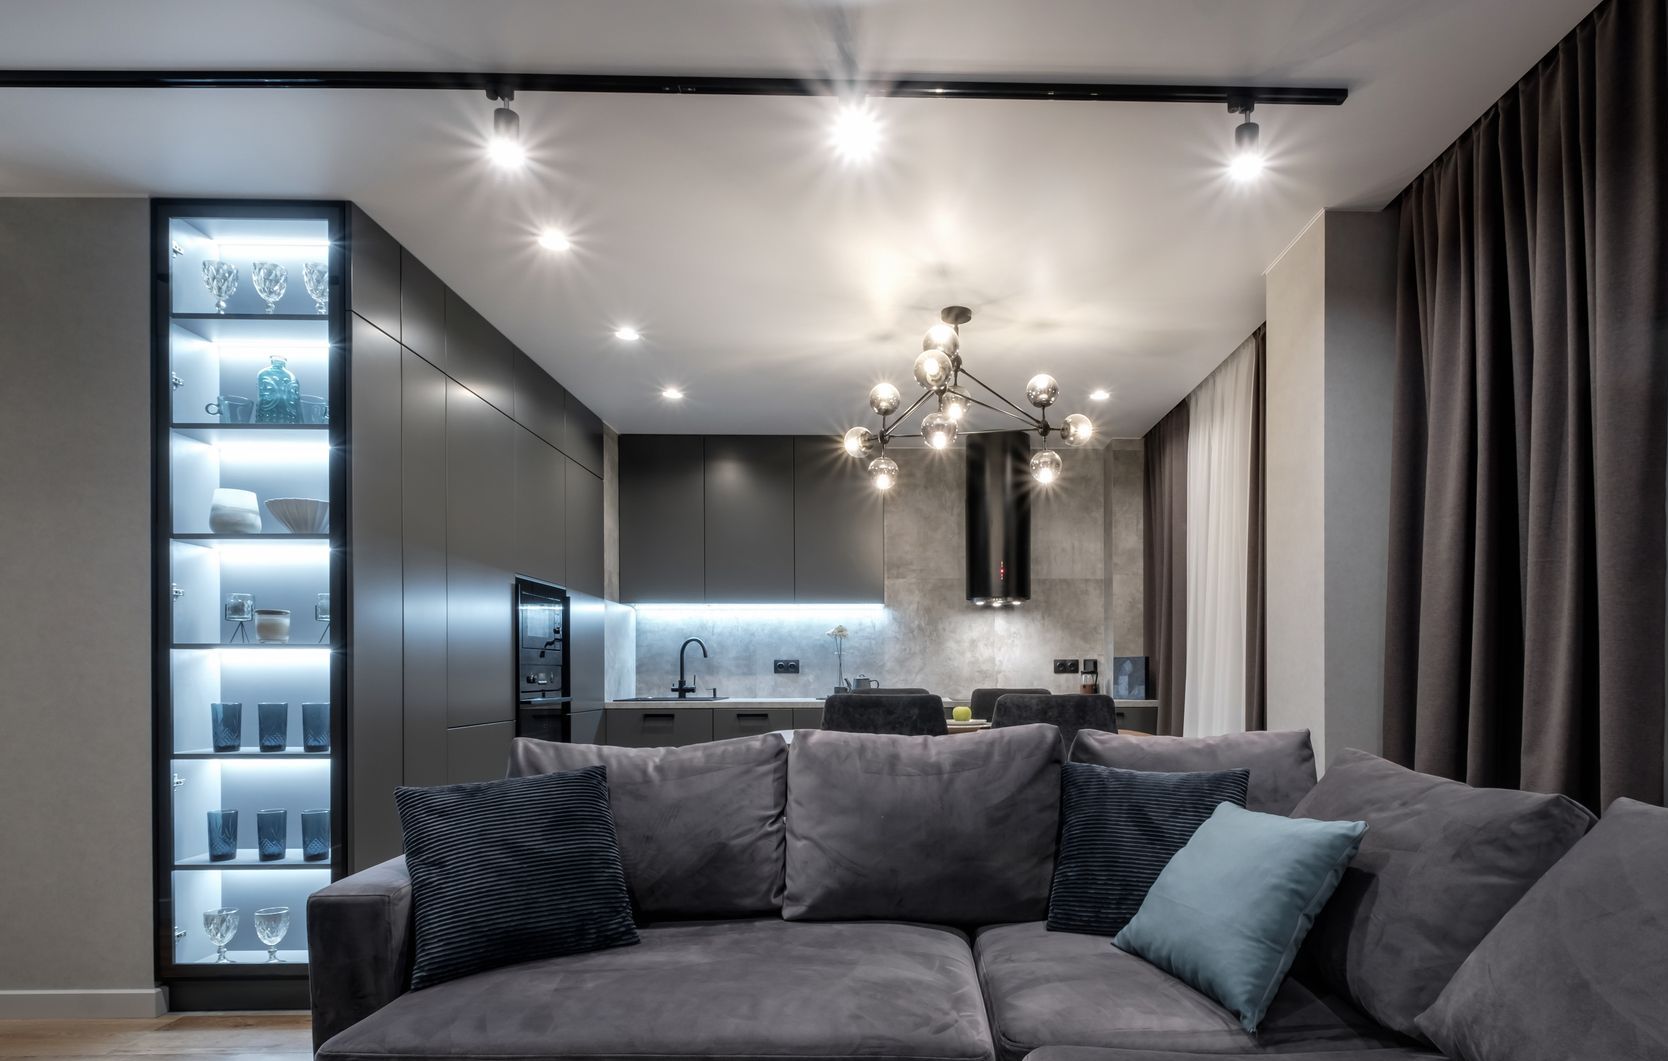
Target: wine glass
[270, 925]
[315, 277]
[221, 280]
[271, 280]
[220, 926]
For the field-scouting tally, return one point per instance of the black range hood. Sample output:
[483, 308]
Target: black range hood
[999, 518]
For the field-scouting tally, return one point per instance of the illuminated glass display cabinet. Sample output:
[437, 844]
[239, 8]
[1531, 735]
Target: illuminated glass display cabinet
[250, 358]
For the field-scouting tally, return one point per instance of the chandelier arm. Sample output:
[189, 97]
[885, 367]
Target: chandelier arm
[994, 393]
[1029, 421]
[912, 405]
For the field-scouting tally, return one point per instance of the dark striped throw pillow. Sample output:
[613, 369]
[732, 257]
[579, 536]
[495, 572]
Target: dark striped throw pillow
[1118, 830]
[512, 871]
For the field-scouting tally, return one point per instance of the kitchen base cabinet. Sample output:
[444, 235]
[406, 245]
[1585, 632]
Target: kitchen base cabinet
[588, 727]
[728, 722]
[807, 718]
[671, 727]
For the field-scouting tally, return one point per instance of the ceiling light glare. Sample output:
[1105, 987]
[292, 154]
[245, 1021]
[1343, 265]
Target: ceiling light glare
[552, 240]
[1247, 163]
[1099, 394]
[672, 394]
[856, 132]
[627, 334]
[504, 147]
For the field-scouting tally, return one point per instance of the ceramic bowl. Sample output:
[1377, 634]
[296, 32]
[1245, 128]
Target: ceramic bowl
[234, 512]
[302, 515]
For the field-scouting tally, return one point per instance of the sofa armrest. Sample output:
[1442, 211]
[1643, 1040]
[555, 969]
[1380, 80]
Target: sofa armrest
[361, 939]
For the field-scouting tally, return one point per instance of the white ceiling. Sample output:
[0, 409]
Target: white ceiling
[1100, 242]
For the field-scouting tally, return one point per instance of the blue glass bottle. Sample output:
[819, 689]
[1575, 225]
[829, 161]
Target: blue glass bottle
[277, 395]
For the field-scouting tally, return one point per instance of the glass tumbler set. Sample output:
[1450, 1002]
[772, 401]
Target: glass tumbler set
[272, 828]
[273, 726]
[270, 280]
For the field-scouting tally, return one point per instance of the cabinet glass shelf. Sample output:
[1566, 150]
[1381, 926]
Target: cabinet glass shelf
[249, 858]
[247, 317]
[252, 755]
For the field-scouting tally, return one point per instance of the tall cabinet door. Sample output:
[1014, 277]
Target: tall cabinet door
[583, 522]
[423, 499]
[540, 508]
[662, 551]
[749, 518]
[839, 550]
[480, 548]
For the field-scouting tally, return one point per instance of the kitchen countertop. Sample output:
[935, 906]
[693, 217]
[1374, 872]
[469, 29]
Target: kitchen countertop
[746, 701]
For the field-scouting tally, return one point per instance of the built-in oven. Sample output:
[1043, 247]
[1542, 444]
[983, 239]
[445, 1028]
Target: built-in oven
[543, 692]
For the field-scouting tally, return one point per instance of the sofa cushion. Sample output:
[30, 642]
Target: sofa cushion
[1578, 968]
[1118, 829]
[949, 830]
[509, 871]
[1062, 989]
[1441, 863]
[1091, 1053]
[734, 989]
[1282, 764]
[700, 827]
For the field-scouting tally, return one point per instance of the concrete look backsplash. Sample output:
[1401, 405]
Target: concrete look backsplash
[927, 634]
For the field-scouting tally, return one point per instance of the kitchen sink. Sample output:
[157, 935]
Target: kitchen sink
[666, 699]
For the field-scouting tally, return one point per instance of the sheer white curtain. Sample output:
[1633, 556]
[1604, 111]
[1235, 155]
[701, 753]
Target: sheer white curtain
[1219, 454]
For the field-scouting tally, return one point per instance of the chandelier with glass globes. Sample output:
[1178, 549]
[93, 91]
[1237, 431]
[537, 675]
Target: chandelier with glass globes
[946, 393]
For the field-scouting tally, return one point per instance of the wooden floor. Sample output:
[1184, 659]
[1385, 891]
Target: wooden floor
[221, 1036]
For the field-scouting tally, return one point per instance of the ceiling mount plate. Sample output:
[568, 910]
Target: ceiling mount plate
[957, 315]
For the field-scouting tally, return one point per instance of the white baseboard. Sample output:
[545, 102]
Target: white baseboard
[97, 1004]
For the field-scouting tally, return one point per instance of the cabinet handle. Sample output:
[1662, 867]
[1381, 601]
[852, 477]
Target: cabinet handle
[752, 716]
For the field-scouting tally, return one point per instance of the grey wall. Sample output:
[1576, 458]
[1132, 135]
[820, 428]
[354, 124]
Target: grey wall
[1124, 478]
[75, 561]
[1331, 332]
[927, 634]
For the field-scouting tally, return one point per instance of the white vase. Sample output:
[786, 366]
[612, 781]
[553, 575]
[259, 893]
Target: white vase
[234, 512]
[272, 625]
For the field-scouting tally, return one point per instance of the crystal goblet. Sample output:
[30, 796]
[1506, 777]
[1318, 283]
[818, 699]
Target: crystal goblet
[271, 280]
[270, 925]
[220, 926]
[315, 277]
[221, 280]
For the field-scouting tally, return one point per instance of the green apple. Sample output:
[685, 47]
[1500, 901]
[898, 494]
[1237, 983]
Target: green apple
[962, 714]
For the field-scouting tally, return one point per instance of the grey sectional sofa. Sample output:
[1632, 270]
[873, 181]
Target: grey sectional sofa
[841, 896]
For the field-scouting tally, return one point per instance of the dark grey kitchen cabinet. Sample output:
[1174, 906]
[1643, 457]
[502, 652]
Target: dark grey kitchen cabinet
[540, 402]
[743, 721]
[374, 273]
[659, 727]
[583, 435]
[748, 518]
[838, 544]
[423, 501]
[540, 508]
[589, 727]
[480, 548]
[478, 753]
[586, 649]
[378, 594]
[662, 552]
[422, 311]
[807, 718]
[478, 356]
[583, 522]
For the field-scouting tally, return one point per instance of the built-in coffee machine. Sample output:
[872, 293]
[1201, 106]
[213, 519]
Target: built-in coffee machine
[542, 688]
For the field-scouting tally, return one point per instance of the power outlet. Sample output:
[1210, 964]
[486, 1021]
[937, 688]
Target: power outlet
[1065, 666]
[787, 666]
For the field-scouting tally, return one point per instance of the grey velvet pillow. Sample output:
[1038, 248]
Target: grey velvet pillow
[1281, 764]
[947, 830]
[1578, 968]
[700, 827]
[1441, 863]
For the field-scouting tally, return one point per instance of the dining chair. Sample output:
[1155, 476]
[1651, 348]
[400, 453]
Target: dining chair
[1069, 712]
[877, 690]
[913, 714]
[983, 701]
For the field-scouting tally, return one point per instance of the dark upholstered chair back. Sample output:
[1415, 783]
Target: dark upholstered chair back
[910, 714]
[983, 701]
[877, 691]
[1069, 711]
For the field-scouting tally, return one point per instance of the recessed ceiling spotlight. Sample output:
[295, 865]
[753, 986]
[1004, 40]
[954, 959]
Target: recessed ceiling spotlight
[627, 334]
[1247, 163]
[1099, 394]
[855, 135]
[672, 394]
[552, 240]
[504, 147]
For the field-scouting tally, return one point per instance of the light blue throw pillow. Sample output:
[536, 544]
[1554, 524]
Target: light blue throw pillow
[1229, 911]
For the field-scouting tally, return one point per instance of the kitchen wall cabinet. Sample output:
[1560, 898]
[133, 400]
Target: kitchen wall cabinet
[583, 522]
[423, 507]
[480, 546]
[662, 544]
[748, 518]
[540, 402]
[838, 543]
[422, 301]
[582, 435]
[374, 269]
[478, 356]
[541, 508]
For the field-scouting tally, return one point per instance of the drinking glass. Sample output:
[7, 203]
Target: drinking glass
[270, 925]
[315, 835]
[226, 726]
[314, 409]
[271, 280]
[271, 833]
[222, 835]
[315, 727]
[221, 280]
[274, 726]
[316, 279]
[220, 926]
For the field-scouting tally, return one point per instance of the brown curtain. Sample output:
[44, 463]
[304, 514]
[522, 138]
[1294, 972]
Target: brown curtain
[1525, 633]
[1256, 567]
[1165, 574]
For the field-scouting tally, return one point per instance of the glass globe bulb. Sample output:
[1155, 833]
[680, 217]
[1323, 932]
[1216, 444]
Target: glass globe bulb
[932, 369]
[1045, 466]
[939, 430]
[954, 404]
[883, 472]
[941, 337]
[1077, 430]
[859, 441]
[885, 399]
[1042, 390]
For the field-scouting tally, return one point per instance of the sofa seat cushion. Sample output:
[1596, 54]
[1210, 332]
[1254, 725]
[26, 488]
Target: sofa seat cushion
[1063, 989]
[1369, 1053]
[762, 988]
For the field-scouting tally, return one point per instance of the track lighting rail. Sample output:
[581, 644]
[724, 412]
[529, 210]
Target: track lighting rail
[913, 87]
